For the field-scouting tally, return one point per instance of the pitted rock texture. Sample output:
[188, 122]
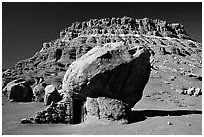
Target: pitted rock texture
[106, 108]
[114, 71]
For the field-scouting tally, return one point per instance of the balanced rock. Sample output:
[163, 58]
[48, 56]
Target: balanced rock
[51, 95]
[114, 71]
[18, 91]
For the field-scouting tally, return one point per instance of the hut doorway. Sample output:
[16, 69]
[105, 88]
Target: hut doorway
[78, 111]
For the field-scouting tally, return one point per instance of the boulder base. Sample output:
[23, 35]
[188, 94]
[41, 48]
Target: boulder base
[106, 108]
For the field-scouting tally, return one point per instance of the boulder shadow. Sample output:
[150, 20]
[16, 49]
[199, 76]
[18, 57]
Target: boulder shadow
[141, 115]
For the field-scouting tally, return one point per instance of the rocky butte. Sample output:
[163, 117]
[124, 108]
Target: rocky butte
[99, 68]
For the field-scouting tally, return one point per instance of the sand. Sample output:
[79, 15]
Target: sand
[156, 114]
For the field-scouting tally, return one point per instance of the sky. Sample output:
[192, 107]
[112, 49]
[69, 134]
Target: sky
[26, 26]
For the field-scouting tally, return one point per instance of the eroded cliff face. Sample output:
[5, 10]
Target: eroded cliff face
[55, 57]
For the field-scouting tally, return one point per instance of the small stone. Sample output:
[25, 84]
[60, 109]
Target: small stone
[147, 96]
[179, 91]
[169, 123]
[189, 124]
[172, 78]
[166, 82]
[26, 121]
[48, 118]
[191, 91]
[197, 92]
[31, 118]
[185, 92]
[199, 78]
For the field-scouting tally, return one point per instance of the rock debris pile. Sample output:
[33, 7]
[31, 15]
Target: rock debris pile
[55, 113]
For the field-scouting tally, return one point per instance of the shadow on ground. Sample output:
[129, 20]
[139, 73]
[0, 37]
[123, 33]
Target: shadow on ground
[141, 115]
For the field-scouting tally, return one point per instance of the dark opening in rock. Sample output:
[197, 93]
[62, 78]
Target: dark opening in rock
[78, 111]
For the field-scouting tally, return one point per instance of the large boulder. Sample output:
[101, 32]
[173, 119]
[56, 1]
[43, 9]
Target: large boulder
[51, 95]
[18, 91]
[114, 71]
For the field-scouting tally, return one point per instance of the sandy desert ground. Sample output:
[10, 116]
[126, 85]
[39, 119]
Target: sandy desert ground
[157, 113]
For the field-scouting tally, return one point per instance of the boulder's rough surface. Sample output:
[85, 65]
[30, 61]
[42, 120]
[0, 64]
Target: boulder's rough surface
[18, 91]
[106, 108]
[115, 71]
[51, 95]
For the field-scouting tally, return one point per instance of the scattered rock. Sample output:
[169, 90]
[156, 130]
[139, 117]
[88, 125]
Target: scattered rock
[199, 78]
[31, 119]
[197, 92]
[166, 82]
[26, 121]
[189, 124]
[172, 78]
[192, 75]
[148, 96]
[169, 123]
[180, 91]
[18, 91]
[191, 91]
[163, 51]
